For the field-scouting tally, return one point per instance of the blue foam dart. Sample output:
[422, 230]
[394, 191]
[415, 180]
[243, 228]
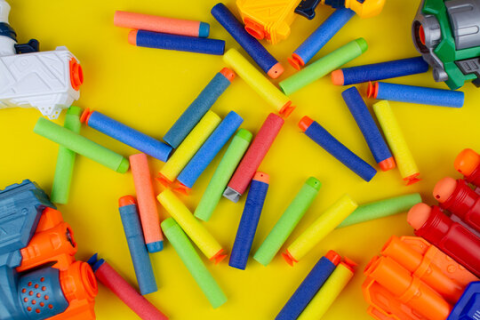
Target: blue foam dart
[192, 115]
[412, 94]
[127, 135]
[136, 245]
[249, 221]
[319, 38]
[370, 131]
[209, 150]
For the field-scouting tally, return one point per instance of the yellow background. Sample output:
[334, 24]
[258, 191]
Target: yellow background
[148, 89]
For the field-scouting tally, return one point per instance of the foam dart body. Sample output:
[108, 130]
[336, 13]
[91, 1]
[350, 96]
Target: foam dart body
[222, 175]
[323, 138]
[199, 107]
[188, 148]
[370, 131]
[153, 23]
[147, 204]
[320, 228]
[110, 278]
[309, 286]
[323, 66]
[319, 38]
[155, 40]
[81, 145]
[253, 157]
[381, 209]
[379, 71]
[451, 237]
[257, 81]
[65, 159]
[403, 157]
[288, 221]
[259, 54]
[127, 135]
[136, 245]
[413, 94]
[249, 221]
[468, 163]
[192, 227]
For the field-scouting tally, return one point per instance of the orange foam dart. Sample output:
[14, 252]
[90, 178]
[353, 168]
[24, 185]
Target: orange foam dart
[468, 163]
[180, 188]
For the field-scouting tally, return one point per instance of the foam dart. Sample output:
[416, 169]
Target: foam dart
[379, 71]
[310, 286]
[149, 22]
[199, 107]
[147, 205]
[323, 66]
[369, 129]
[192, 227]
[249, 221]
[467, 163]
[65, 159]
[413, 94]
[188, 148]
[259, 54]
[405, 162]
[193, 262]
[81, 145]
[110, 278]
[288, 221]
[258, 82]
[381, 209]
[222, 175]
[320, 228]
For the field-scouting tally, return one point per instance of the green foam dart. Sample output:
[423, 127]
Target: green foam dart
[324, 66]
[222, 175]
[81, 145]
[178, 239]
[381, 209]
[288, 221]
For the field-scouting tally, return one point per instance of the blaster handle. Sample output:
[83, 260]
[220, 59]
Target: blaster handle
[31, 46]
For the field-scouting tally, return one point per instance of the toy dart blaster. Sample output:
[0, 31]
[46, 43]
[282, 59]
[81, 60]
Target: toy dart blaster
[49, 81]
[447, 34]
[39, 277]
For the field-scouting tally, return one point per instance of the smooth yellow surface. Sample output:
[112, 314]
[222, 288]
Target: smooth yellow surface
[149, 89]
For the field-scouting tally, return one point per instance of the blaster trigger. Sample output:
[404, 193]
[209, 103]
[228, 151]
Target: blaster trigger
[31, 46]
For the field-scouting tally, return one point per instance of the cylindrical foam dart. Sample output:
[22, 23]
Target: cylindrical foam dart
[413, 94]
[323, 138]
[320, 228]
[381, 209]
[65, 159]
[405, 162]
[136, 245]
[254, 156]
[127, 135]
[249, 221]
[155, 40]
[251, 45]
[258, 82]
[323, 66]
[81, 145]
[147, 205]
[124, 291]
[153, 23]
[199, 107]
[379, 71]
[195, 230]
[288, 221]
[369, 129]
[468, 163]
[310, 286]
[193, 262]
[222, 175]
[319, 38]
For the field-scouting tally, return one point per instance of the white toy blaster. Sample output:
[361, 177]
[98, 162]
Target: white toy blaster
[49, 81]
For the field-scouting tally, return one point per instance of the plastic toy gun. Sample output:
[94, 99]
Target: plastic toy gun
[364, 9]
[49, 81]
[447, 34]
[39, 277]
